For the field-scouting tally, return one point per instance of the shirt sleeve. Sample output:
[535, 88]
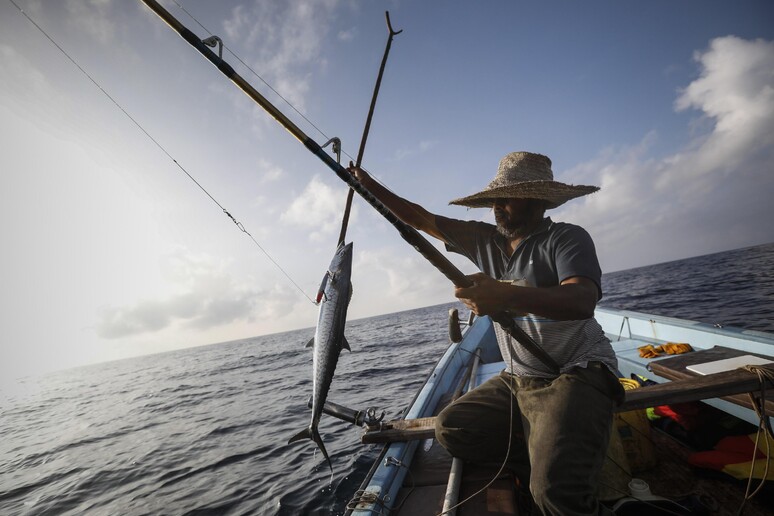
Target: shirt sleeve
[471, 239]
[575, 255]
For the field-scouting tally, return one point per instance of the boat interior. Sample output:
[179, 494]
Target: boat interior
[660, 457]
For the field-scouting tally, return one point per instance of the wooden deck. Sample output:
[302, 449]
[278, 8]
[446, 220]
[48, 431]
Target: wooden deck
[675, 479]
[672, 478]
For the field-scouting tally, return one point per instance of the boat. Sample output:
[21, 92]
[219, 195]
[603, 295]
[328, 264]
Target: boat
[412, 472]
[414, 475]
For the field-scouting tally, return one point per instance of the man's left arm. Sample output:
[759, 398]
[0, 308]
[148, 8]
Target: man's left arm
[574, 299]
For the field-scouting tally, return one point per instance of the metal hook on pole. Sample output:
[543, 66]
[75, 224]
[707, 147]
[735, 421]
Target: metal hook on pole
[212, 41]
[364, 139]
[336, 141]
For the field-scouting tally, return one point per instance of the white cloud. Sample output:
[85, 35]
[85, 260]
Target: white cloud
[419, 148]
[25, 85]
[92, 17]
[347, 35]
[287, 37]
[207, 297]
[319, 208]
[719, 185]
[402, 277]
[736, 91]
[269, 171]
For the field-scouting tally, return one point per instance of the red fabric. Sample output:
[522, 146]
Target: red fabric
[735, 449]
[740, 444]
[686, 415]
[716, 460]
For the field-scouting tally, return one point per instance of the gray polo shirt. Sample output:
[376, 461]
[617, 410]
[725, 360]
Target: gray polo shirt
[555, 251]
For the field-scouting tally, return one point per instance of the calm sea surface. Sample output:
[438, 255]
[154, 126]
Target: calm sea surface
[203, 431]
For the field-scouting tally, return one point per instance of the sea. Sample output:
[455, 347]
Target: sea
[203, 431]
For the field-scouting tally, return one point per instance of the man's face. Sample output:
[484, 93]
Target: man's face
[515, 218]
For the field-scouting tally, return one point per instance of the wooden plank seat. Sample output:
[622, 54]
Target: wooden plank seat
[688, 388]
[675, 368]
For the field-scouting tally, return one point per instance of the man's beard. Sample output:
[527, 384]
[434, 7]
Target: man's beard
[515, 229]
[510, 231]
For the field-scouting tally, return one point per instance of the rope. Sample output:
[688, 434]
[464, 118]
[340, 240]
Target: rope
[238, 224]
[764, 427]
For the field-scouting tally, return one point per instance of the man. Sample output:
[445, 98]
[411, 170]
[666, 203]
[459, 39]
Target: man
[546, 276]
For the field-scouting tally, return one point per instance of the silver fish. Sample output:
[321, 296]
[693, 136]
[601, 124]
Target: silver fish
[328, 341]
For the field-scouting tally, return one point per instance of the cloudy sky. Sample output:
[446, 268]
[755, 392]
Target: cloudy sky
[110, 250]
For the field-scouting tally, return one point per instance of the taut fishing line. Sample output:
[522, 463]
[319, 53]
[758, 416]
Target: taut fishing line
[161, 147]
[286, 101]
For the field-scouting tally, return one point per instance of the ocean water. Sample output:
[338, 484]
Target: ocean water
[203, 431]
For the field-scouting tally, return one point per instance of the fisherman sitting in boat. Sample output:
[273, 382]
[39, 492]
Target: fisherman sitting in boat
[549, 282]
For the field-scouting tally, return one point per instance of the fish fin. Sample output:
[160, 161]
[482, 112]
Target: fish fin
[311, 432]
[321, 290]
[306, 433]
[345, 344]
[310, 344]
[318, 440]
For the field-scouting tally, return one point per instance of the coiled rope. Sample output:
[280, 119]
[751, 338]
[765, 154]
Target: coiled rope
[764, 427]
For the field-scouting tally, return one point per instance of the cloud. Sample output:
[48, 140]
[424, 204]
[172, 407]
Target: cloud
[287, 37]
[347, 35]
[408, 279]
[25, 86]
[712, 195]
[419, 148]
[208, 297]
[269, 171]
[319, 208]
[92, 17]
[736, 92]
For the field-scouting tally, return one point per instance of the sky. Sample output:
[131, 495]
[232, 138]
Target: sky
[110, 250]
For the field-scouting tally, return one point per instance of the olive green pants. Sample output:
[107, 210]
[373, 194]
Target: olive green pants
[559, 432]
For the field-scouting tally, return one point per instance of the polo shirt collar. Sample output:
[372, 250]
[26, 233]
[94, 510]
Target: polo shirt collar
[544, 225]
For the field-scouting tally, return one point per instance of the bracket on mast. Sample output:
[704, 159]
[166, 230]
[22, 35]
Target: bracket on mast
[336, 141]
[212, 41]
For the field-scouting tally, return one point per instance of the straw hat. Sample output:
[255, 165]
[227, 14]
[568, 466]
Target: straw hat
[525, 175]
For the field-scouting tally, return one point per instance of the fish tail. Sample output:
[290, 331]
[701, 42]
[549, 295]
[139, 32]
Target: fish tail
[311, 432]
[306, 433]
[318, 439]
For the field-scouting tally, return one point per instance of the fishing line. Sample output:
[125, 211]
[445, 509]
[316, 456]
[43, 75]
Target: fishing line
[238, 224]
[286, 101]
[507, 451]
[451, 241]
[392, 33]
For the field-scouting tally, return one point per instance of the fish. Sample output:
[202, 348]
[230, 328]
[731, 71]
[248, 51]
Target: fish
[333, 298]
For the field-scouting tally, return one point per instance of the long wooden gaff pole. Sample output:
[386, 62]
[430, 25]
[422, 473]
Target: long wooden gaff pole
[409, 234]
[364, 138]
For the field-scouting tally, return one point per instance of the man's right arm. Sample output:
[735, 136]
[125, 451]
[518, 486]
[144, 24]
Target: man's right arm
[410, 213]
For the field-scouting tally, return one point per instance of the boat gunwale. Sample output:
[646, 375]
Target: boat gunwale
[384, 481]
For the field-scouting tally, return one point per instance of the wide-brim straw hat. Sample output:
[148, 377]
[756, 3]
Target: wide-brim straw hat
[525, 175]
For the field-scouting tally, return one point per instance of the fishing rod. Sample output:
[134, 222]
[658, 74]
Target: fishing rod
[364, 138]
[408, 233]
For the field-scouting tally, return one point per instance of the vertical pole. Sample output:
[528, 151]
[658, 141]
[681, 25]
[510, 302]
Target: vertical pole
[455, 475]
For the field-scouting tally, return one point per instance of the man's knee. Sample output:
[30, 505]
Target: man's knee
[444, 433]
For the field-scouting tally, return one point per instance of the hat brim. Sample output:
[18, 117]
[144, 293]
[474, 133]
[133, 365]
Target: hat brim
[554, 192]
